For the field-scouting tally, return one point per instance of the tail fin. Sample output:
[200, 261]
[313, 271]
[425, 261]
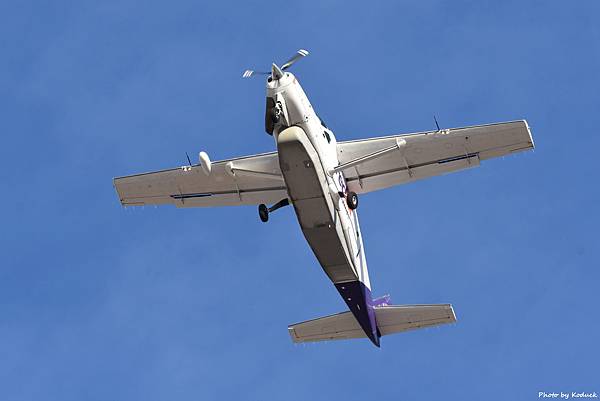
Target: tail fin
[390, 319]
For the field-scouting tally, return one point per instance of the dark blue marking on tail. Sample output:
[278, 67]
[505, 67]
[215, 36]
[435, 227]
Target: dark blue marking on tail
[358, 298]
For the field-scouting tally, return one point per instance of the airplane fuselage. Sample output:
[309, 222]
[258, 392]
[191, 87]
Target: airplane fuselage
[307, 154]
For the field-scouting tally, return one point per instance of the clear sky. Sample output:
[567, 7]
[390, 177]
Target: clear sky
[102, 303]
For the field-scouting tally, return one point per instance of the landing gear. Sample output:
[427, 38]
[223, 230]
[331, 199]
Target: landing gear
[352, 200]
[263, 213]
[274, 112]
[275, 115]
[263, 210]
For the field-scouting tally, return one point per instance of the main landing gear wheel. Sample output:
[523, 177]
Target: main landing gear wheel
[352, 200]
[263, 212]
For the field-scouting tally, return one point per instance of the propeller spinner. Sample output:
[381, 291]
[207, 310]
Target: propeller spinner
[277, 72]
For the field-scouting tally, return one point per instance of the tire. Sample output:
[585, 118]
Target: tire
[352, 200]
[263, 213]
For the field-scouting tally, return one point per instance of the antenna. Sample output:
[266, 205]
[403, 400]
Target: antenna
[188, 157]
[436, 123]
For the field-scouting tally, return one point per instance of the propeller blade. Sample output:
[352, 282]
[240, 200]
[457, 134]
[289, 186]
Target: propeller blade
[299, 54]
[251, 73]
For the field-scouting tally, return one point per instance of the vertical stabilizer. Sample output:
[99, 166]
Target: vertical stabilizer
[358, 298]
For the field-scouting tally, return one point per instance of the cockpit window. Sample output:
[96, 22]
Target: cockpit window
[326, 135]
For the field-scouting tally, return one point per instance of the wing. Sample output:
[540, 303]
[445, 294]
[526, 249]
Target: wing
[383, 162]
[246, 180]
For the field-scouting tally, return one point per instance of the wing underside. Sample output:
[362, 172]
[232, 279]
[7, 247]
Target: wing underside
[421, 155]
[243, 181]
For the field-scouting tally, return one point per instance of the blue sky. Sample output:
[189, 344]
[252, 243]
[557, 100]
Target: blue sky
[98, 302]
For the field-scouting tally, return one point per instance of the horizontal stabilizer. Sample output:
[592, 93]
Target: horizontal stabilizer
[390, 319]
[394, 319]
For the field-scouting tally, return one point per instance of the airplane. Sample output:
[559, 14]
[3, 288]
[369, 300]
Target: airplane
[322, 178]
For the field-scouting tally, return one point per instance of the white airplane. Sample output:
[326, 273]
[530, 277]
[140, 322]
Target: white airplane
[322, 178]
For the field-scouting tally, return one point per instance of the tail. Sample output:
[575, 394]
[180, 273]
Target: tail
[390, 319]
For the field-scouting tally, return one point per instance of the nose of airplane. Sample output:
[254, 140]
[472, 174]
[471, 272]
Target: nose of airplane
[276, 72]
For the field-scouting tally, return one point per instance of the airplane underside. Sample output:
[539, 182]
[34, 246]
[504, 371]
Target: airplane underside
[321, 177]
[321, 226]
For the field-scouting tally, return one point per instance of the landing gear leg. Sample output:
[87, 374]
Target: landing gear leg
[263, 210]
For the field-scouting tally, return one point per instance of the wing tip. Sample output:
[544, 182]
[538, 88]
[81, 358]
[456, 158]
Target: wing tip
[452, 316]
[292, 333]
[529, 133]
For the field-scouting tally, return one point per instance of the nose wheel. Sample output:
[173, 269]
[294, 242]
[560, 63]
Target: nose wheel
[263, 210]
[352, 200]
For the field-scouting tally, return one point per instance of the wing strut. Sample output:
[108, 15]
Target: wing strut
[399, 145]
[232, 170]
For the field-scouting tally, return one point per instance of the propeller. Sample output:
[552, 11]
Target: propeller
[277, 72]
[299, 54]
